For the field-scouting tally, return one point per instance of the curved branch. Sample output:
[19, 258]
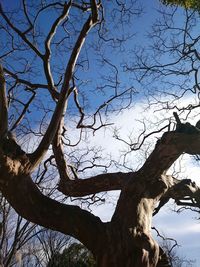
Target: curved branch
[47, 55]
[49, 213]
[94, 185]
[169, 148]
[27, 17]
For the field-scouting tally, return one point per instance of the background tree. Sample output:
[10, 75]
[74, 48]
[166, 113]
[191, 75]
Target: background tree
[62, 80]
[171, 255]
[193, 4]
[48, 246]
[174, 258]
[15, 234]
[76, 255]
[25, 244]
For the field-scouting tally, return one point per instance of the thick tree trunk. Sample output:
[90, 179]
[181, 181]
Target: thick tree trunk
[120, 258]
[121, 248]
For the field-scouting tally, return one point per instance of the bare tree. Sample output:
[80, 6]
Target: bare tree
[42, 96]
[172, 254]
[16, 233]
[169, 252]
[49, 244]
[25, 244]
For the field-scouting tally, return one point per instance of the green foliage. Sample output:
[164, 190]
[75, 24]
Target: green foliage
[191, 4]
[76, 255]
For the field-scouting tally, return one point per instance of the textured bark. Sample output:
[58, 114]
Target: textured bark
[96, 184]
[123, 248]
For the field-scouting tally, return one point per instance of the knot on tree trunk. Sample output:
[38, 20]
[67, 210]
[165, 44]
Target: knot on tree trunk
[13, 160]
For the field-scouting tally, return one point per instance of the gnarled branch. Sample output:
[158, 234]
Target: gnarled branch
[49, 213]
[180, 191]
[94, 185]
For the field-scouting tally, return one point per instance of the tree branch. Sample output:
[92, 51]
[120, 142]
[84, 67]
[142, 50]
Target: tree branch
[59, 153]
[38, 155]
[26, 106]
[94, 185]
[33, 86]
[94, 8]
[27, 17]
[68, 219]
[47, 55]
[3, 105]
[180, 190]
[169, 148]
[21, 34]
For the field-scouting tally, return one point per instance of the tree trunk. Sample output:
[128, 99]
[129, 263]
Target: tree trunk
[121, 248]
